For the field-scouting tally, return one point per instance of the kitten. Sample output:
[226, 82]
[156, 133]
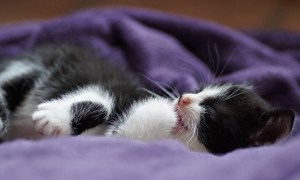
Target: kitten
[64, 90]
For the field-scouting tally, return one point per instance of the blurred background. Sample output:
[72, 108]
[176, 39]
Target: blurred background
[267, 14]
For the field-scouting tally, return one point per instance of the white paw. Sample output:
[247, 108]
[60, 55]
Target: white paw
[53, 118]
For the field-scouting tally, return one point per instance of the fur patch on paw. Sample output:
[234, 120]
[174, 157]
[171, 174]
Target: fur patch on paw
[53, 118]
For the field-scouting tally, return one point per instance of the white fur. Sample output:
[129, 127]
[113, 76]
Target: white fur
[148, 120]
[54, 117]
[191, 114]
[210, 91]
[22, 128]
[152, 119]
[16, 69]
[91, 93]
[191, 141]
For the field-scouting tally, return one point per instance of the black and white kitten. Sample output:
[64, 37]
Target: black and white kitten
[63, 91]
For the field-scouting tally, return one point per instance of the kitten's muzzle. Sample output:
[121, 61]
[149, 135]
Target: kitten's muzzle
[184, 100]
[180, 125]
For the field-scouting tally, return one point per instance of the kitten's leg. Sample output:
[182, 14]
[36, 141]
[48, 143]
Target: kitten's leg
[73, 113]
[16, 79]
[147, 120]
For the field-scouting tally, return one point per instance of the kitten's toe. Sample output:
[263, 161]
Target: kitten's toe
[40, 125]
[38, 115]
[52, 119]
[46, 105]
[45, 127]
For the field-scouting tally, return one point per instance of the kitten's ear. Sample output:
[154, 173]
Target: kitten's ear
[279, 124]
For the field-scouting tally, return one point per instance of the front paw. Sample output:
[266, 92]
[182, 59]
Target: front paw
[148, 120]
[53, 118]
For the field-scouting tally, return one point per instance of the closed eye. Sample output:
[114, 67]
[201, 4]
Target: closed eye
[210, 110]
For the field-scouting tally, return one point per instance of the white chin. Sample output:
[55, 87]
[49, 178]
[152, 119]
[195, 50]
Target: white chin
[191, 143]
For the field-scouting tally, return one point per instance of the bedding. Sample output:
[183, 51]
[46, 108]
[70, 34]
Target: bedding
[174, 51]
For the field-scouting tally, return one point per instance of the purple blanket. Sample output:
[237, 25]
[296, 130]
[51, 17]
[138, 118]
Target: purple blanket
[175, 51]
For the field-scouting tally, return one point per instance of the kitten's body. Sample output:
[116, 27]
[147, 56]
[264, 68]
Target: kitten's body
[67, 73]
[64, 90]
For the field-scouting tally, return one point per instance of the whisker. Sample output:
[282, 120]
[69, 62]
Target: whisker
[210, 58]
[218, 58]
[261, 85]
[193, 132]
[192, 126]
[235, 95]
[211, 65]
[161, 87]
[150, 92]
[198, 75]
[174, 90]
[228, 61]
[192, 135]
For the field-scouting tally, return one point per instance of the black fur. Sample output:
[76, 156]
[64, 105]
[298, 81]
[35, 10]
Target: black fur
[87, 115]
[242, 121]
[16, 89]
[64, 69]
[4, 117]
[74, 67]
[230, 124]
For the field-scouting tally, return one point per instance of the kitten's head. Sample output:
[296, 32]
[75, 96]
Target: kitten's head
[222, 118]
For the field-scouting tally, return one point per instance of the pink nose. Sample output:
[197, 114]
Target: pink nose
[184, 101]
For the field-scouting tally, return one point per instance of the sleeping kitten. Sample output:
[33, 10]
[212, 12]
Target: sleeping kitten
[63, 91]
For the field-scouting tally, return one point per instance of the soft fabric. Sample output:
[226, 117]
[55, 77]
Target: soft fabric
[176, 52]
